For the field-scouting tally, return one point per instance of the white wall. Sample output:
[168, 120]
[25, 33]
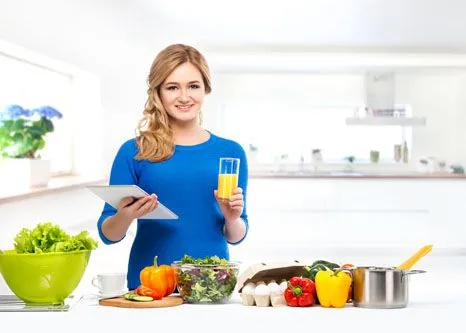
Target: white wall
[434, 94]
[116, 40]
[315, 88]
[439, 97]
[107, 38]
[460, 125]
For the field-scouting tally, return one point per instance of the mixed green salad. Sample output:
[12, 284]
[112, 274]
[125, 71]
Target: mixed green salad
[206, 280]
[48, 237]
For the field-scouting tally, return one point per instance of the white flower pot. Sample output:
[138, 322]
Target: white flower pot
[25, 172]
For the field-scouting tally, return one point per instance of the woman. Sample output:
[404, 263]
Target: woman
[177, 160]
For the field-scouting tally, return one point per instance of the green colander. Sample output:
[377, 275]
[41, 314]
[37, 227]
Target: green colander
[44, 278]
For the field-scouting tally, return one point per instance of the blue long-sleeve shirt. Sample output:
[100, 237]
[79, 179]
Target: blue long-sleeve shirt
[185, 183]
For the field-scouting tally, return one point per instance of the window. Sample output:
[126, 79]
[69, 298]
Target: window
[32, 86]
[295, 129]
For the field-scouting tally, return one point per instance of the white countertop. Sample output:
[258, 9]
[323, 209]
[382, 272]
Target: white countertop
[437, 298]
[423, 314]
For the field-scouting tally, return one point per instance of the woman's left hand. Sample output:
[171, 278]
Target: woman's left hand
[232, 208]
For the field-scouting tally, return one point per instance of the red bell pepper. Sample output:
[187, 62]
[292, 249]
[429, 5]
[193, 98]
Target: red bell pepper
[146, 291]
[300, 292]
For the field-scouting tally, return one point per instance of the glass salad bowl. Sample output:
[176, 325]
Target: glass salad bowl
[206, 283]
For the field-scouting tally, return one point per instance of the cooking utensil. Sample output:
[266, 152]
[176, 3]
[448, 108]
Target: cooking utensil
[385, 287]
[381, 287]
[415, 257]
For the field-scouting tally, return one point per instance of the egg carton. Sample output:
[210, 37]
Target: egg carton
[264, 284]
[263, 295]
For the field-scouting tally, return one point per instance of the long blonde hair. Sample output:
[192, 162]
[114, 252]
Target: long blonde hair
[154, 131]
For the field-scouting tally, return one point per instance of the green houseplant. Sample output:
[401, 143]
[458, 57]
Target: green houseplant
[22, 136]
[23, 131]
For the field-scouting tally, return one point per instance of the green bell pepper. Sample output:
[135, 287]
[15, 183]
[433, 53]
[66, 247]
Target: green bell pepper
[317, 266]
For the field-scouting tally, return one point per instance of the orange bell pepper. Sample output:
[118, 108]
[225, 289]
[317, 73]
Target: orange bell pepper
[347, 269]
[161, 278]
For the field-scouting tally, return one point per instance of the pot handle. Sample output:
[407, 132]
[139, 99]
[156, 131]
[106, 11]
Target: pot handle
[414, 271]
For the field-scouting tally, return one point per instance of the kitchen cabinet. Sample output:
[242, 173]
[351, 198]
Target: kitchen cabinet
[291, 219]
[355, 215]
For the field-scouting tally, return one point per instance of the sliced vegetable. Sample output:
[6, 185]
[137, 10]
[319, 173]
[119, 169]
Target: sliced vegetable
[137, 298]
[146, 291]
[129, 296]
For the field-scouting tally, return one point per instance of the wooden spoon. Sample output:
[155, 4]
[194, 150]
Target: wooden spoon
[415, 257]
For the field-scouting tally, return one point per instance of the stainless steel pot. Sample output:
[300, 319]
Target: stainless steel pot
[381, 287]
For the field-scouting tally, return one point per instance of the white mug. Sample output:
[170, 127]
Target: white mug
[108, 283]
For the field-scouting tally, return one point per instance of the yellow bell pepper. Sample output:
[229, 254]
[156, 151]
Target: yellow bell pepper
[333, 288]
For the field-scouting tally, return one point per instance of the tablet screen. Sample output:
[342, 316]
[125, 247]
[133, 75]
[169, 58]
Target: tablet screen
[113, 194]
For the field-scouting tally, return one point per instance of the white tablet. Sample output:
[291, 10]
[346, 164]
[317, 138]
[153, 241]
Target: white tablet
[113, 194]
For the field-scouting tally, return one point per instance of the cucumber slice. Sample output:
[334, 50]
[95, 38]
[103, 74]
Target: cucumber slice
[129, 296]
[140, 298]
[137, 298]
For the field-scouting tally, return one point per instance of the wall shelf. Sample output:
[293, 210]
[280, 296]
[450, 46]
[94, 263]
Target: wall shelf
[387, 121]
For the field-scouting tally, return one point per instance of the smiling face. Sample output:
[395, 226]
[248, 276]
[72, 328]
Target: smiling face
[182, 94]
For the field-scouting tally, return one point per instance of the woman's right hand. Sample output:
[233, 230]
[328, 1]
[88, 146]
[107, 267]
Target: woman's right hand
[130, 209]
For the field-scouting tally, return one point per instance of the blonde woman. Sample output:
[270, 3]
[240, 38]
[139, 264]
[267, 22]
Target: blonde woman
[176, 160]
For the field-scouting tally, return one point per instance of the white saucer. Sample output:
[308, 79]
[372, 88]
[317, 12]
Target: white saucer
[113, 294]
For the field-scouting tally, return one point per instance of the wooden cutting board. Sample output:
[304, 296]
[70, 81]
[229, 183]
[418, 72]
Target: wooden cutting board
[124, 303]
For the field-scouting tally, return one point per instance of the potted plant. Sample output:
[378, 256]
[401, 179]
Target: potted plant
[22, 137]
[457, 169]
[374, 156]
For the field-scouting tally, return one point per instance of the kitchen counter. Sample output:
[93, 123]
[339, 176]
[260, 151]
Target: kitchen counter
[437, 299]
[424, 314]
[10, 193]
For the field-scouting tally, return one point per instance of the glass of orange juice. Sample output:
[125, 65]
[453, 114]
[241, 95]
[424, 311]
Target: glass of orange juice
[228, 173]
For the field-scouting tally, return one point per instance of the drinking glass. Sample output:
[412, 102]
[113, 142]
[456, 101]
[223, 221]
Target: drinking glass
[228, 173]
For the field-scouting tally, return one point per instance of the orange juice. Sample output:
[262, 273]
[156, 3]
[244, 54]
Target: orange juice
[226, 184]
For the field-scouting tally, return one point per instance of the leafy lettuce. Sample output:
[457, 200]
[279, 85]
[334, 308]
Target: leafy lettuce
[48, 237]
[206, 280]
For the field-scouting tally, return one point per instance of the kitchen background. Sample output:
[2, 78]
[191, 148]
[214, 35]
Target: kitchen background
[286, 80]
